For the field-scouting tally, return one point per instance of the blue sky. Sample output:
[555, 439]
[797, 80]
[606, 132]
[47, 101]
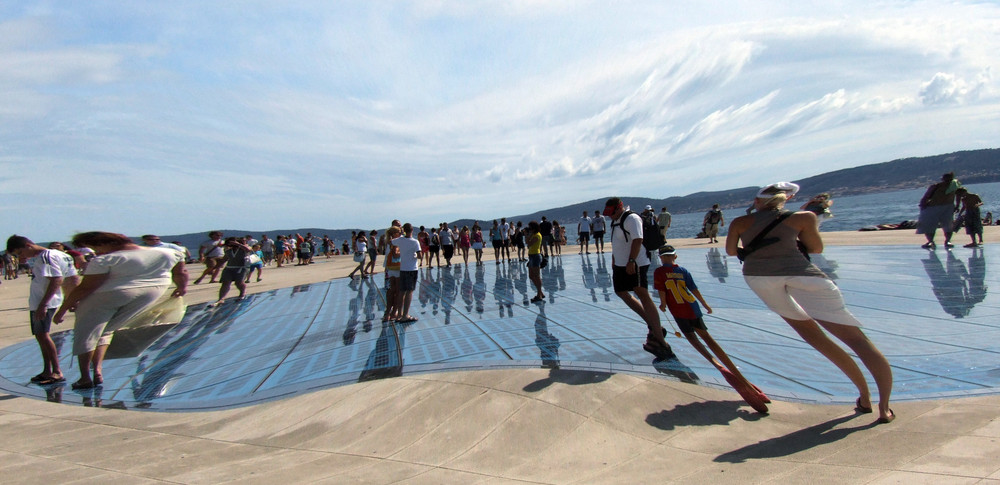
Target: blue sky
[182, 116]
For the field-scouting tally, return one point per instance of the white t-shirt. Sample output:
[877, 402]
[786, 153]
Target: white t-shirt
[212, 248]
[446, 237]
[134, 268]
[583, 225]
[505, 231]
[597, 223]
[620, 248]
[408, 249]
[48, 264]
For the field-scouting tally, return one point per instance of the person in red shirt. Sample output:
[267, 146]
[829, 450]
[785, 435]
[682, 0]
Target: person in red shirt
[679, 293]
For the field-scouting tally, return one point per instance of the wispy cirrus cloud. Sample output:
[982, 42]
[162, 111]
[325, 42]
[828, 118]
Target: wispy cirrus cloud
[460, 101]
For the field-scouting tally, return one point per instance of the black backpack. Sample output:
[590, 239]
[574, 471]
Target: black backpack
[651, 237]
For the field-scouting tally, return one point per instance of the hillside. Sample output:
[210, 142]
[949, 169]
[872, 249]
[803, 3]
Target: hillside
[974, 166]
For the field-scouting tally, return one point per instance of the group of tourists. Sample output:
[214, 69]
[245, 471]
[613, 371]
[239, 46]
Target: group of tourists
[778, 271]
[121, 278]
[949, 206]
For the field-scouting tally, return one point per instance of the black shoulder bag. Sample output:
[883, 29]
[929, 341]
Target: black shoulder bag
[759, 241]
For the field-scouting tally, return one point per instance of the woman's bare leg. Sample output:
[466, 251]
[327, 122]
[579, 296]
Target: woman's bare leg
[811, 332]
[871, 356]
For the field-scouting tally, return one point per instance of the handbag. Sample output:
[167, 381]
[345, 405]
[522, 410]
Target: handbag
[359, 256]
[545, 262]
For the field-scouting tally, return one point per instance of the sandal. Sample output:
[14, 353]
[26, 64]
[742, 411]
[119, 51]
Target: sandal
[79, 385]
[862, 409]
[889, 419]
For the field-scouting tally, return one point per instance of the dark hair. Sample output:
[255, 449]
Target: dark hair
[100, 238]
[16, 242]
[533, 226]
[613, 202]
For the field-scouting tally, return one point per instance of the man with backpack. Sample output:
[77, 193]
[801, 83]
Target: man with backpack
[630, 263]
[713, 219]
[652, 238]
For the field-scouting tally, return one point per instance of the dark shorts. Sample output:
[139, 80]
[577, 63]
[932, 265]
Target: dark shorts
[627, 282]
[407, 280]
[496, 243]
[43, 325]
[547, 240]
[434, 249]
[233, 274]
[688, 325]
[598, 235]
[584, 236]
[519, 243]
[448, 251]
[534, 260]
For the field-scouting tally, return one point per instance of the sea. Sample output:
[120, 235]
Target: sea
[849, 213]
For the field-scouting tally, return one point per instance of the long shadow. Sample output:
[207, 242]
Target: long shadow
[569, 377]
[795, 442]
[703, 413]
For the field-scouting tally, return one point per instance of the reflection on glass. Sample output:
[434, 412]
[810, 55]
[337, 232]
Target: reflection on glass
[386, 359]
[160, 364]
[718, 264]
[548, 344]
[603, 277]
[503, 290]
[467, 290]
[957, 290]
[479, 289]
[589, 278]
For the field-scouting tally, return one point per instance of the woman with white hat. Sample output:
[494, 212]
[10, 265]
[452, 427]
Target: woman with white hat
[777, 269]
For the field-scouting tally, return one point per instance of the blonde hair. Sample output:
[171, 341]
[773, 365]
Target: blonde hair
[776, 201]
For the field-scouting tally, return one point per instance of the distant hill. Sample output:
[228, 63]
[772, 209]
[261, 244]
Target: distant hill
[974, 166]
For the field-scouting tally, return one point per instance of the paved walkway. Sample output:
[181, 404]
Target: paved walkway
[560, 392]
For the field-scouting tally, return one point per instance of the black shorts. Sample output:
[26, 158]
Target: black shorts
[434, 249]
[497, 243]
[584, 236]
[535, 260]
[627, 282]
[42, 325]
[598, 235]
[688, 325]
[407, 280]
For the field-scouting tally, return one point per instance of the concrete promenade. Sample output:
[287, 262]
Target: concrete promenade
[498, 426]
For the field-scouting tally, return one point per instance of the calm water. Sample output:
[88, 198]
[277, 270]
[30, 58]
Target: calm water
[850, 213]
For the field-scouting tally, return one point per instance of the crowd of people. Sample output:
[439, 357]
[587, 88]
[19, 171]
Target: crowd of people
[106, 278]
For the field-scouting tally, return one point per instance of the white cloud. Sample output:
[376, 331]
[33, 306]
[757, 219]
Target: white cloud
[947, 88]
[566, 100]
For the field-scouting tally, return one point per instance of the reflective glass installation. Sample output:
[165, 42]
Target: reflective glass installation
[931, 312]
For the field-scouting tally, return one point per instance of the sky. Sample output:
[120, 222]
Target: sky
[186, 116]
